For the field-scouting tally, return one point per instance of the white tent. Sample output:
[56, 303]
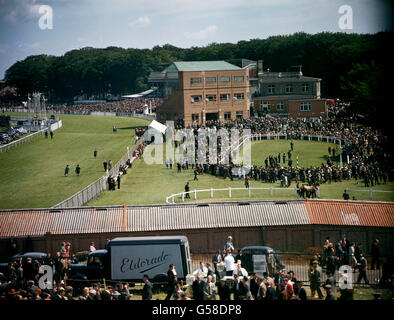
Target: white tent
[158, 126]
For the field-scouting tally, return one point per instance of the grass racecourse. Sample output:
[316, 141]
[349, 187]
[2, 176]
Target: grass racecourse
[32, 175]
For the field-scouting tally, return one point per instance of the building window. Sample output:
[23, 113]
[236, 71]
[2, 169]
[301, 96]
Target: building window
[238, 96]
[289, 88]
[225, 97]
[305, 106]
[224, 79]
[210, 79]
[280, 106]
[271, 88]
[239, 114]
[238, 79]
[305, 87]
[196, 99]
[195, 117]
[264, 106]
[195, 80]
[227, 116]
[211, 97]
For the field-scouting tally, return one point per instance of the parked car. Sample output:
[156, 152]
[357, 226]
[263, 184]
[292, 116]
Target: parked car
[260, 259]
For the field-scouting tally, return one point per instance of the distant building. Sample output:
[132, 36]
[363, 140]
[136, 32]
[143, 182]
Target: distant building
[198, 91]
[289, 94]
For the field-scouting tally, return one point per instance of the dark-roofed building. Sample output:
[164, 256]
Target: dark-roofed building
[289, 94]
[287, 226]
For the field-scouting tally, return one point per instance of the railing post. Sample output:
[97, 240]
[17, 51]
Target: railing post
[183, 197]
[195, 194]
[211, 192]
[249, 193]
[229, 192]
[271, 191]
[173, 199]
[318, 193]
[371, 194]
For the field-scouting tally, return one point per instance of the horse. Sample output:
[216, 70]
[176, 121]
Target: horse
[308, 191]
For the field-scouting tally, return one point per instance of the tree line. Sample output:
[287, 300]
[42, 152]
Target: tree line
[350, 65]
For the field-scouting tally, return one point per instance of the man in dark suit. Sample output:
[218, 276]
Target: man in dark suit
[236, 287]
[254, 286]
[224, 290]
[147, 290]
[171, 281]
[375, 251]
[301, 293]
[198, 288]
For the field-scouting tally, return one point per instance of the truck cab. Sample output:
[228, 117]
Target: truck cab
[94, 269]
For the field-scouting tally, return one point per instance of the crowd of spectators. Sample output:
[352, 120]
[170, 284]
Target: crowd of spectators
[364, 151]
[136, 105]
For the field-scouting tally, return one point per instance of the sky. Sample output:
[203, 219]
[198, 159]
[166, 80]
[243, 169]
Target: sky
[27, 27]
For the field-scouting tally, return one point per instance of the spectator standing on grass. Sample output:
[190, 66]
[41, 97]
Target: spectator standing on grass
[198, 288]
[375, 252]
[315, 279]
[118, 180]
[95, 154]
[171, 276]
[230, 264]
[261, 289]
[105, 164]
[301, 293]
[187, 189]
[254, 286]
[147, 290]
[217, 258]
[67, 171]
[78, 170]
[51, 134]
[209, 289]
[362, 268]
[224, 290]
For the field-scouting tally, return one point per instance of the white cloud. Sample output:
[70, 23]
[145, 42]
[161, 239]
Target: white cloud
[141, 22]
[202, 34]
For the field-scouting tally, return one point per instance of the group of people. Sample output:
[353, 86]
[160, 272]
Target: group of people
[136, 105]
[365, 152]
[67, 170]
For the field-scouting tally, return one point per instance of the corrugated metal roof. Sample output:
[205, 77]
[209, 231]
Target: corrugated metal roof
[354, 213]
[22, 223]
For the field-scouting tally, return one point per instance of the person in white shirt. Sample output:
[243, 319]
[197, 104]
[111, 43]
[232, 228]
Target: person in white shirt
[230, 264]
[240, 271]
[201, 270]
[92, 248]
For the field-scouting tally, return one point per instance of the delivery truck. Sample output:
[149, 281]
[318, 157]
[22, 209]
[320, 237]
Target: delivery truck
[130, 258]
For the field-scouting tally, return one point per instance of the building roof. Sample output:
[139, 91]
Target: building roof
[38, 222]
[288, 79]
[353, 213]
[200, 66]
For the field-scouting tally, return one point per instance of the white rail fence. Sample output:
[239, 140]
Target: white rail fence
[30, 137]
[182, 195]
[370, 191]
[193, 193]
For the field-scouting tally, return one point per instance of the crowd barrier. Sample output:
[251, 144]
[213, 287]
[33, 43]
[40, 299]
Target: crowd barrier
[30, 137]
[97, 187]
[182, 195]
